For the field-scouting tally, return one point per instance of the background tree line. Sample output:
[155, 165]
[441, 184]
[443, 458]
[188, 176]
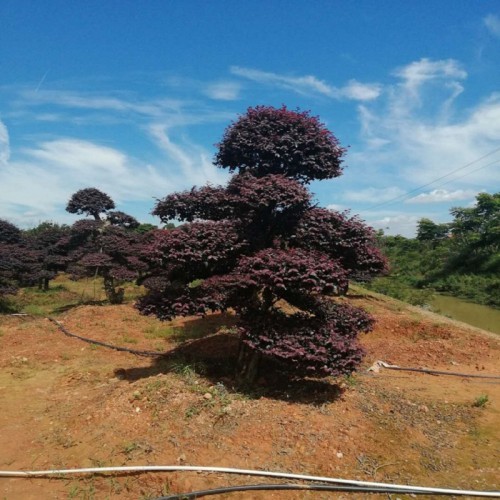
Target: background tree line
[459, 258]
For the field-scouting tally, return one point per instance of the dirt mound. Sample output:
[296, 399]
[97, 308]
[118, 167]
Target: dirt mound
[71, 404]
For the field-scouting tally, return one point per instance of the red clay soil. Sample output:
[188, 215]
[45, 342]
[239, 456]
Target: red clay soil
[69, 404]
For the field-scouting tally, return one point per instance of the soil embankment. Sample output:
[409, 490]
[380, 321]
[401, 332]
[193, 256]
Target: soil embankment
[69, 404]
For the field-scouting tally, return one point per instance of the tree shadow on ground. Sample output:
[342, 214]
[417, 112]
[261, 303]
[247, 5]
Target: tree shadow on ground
[198, 328]
[215, 358]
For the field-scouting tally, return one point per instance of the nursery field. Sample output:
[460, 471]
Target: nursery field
[67, 403]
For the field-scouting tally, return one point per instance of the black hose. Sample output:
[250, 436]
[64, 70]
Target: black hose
[103, 344]
[302, 487]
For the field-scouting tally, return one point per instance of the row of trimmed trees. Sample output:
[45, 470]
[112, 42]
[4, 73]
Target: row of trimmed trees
[108, 245]
[258, 245]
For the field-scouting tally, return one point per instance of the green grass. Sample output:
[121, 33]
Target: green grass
[63, 295]
[481, 401]
[129, 340]
[159, 332]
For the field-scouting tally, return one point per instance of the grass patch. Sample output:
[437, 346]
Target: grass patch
[481, 401]
[129, 340]
[158, 332]
[63, 295]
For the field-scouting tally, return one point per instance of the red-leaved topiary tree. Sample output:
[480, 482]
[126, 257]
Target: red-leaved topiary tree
[20, 264]
[259, 246]
[90, 201]
[103, 247]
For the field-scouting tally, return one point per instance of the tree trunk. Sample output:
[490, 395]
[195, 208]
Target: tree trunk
[115, 296]
[45, 284]
[248, 366]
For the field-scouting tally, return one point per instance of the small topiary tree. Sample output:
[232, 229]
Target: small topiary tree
[103, 247]
[90, 201]
[261, 247]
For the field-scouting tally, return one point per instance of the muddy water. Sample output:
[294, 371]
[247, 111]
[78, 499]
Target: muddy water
[483, 317]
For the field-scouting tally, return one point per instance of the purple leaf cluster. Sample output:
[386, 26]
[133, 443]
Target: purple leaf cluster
[260, 247]
[269, 140]
[90, 201]
[108, 248]
[308, 346]
[341, 237]
[244, 197]
[20, 264]
[295, 269]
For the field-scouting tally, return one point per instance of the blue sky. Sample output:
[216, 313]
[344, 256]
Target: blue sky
[131, 97]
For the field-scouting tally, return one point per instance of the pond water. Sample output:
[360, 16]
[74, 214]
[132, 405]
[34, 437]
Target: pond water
[478, 315]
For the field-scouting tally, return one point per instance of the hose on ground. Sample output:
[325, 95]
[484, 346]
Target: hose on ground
[290, 487]
[104, 344]
[401, 488]
[375, 367]
[382, 364]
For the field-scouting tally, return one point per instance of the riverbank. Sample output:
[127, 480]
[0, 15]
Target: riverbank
[484, 317]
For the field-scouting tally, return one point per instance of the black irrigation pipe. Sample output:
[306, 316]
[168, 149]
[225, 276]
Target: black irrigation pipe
[137, 352]
[163, 354]
[301, 487]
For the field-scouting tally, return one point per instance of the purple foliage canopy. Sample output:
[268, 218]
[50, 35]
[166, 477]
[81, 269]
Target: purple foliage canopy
[259, 246]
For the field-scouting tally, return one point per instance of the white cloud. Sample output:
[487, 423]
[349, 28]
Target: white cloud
[125, 103]
[373, 195]
[492, 22]
[442, 195]
[195, 166]
[301, 84]
[36, 185]
[417, 73]
[402, 224]
[4, 144]
[358, 91]
[310, 85]
[419, 144]
[223, 91]
[335, 207]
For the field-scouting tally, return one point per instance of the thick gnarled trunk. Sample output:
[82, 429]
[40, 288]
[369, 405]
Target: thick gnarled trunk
[114, 295]
[248, 365]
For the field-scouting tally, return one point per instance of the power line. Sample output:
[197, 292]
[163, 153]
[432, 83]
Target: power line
[404, 195]
[465, 175]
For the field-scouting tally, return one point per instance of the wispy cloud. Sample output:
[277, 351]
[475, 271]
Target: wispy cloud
[417, 73]
[223, 91]
[336, 207]
[420, 143]
[193, 164]
[402, 224]
[37, 181]
[373, 195]
[310, 85]
[358, 91]
[4, 144]
[492, 22]
[97, 101]
[442, 195]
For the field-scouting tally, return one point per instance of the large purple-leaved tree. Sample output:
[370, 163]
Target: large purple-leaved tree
[261, 247]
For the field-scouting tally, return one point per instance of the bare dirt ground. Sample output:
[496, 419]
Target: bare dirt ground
[65, 403]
